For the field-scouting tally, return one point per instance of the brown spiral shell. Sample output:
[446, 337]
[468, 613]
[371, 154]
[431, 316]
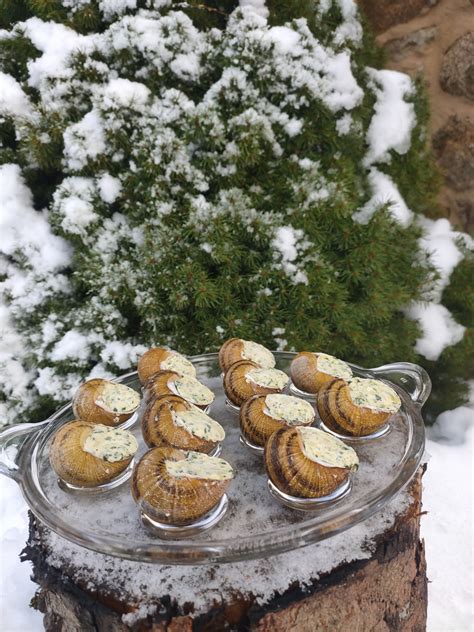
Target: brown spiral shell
[158, 428]
[339, 413]
[77, 467]
[293, 473]
[158, 384]
[255, 424]
[168, 499]
[150, 362]
[85, 407]
[236, 386]
[230, 353]
[305, 374]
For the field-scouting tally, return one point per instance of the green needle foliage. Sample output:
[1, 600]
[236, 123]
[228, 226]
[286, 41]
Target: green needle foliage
[201, 164]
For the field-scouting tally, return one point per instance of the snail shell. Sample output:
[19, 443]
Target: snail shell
[164, 423]
[72, 461]
[305, 462]
[311, 371]
[358, 408]
[161, 359]
[262, 415]
[105, 402]
[236, 349]
[170, 383]
[177, 487]
[240, 381]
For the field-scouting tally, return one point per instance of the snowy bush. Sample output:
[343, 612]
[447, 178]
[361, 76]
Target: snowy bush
[180, 172]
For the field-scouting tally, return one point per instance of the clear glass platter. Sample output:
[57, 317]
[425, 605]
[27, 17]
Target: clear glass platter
[255, 525]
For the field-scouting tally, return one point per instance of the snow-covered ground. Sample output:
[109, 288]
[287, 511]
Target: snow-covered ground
[447, 529]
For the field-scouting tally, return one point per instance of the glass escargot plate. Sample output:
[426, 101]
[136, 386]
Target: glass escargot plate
[255, 525]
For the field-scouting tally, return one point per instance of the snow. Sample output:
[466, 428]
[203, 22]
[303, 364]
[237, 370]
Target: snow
[441, 243]
[384, 191]
[84, 140]
[16, 587]
[72, 345]
[442, 246]
[440, 330]
[446, 528]
[57, 42]
[13, 101]
[394, 118]
[109, 188]
[287, 243]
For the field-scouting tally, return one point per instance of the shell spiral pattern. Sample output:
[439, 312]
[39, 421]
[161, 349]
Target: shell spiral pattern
[294, 473]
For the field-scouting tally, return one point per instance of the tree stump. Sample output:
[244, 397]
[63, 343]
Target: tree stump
[372, 577]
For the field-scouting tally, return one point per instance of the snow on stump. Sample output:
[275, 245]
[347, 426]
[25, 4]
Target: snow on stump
[372, 577]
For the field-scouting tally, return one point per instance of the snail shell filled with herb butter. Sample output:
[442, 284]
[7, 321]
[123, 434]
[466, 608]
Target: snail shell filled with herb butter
[311, 371]
[171, 421]
[306, 462]
[161, 359]
[177, 487]
[236, 349]
[88, 455]
[262, 415]
[358, 408]
[105, 402]
[245, 379]
[171, 383]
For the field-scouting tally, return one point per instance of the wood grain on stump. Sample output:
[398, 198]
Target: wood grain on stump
[381, 586]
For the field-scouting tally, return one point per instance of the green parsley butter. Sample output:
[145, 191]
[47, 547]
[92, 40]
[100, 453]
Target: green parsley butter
[192, 390]
[268, 378]
[259, 354]
[179, 364]
[118, 398]
[333, 366]
[292, 410]
[374, 394]
[197, 465]
[196, 422]
[110, 444]
[325, 449]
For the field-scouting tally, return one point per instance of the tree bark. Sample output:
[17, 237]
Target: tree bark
[387, 592]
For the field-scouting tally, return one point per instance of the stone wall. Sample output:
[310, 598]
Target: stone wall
[435, 38]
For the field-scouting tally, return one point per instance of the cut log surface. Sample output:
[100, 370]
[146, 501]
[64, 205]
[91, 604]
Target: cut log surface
[371, 577]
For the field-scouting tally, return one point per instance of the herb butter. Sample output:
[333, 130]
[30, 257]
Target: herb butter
[192, 390]
[325, 449]
[179, 364]
[268, 378]
[110, 444]
[118, 398]
[291, 410]
[197, 465]
[259, 354]
[196, 422]
[374, 394]
[333, 366]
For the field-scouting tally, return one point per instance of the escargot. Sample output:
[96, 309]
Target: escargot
[177, 487]
[236, 349]
[87, 455]
[262, 415]
[358, 408]
[161, 359]
[306, 462]
[311, 371]
[105, 402]
[171, 421]
[245, 379]
[189, 388]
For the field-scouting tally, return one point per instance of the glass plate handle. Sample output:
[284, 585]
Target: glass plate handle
[11, 441]
[413, 379]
